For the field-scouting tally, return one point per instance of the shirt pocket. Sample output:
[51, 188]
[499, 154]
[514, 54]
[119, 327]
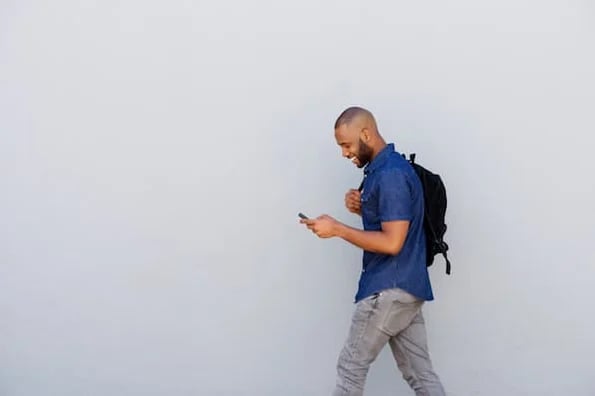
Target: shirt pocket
[369, 209]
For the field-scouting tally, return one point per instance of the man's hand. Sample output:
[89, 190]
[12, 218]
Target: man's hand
[324, 226]
[353, 201]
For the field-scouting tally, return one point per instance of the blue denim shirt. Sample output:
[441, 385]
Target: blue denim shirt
[392, 191]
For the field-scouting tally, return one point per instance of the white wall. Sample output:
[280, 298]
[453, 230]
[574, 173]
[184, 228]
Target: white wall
[154, 155]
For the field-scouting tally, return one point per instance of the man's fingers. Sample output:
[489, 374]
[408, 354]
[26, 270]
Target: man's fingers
[353, 193]
[354, 204]
[310, 223]
[353, 199]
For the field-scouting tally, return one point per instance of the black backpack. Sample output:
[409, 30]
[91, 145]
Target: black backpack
[435, 210]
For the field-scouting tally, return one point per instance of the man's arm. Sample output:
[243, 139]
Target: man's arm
[388, 241]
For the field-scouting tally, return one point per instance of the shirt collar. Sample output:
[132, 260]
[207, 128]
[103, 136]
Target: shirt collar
[380, 158]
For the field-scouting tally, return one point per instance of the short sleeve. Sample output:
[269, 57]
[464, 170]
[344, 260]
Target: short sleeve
[394, 196]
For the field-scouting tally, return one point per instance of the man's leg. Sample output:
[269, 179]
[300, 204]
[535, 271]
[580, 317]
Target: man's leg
[410, 349]
[364, 343]
[375, 321]
[404, 365]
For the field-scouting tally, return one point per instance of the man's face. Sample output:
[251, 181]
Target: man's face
[353, 147]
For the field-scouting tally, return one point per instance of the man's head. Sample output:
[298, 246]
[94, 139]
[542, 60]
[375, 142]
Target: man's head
[357, 135]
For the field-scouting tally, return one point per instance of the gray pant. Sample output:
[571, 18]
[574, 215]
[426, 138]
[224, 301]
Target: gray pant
[394, 317]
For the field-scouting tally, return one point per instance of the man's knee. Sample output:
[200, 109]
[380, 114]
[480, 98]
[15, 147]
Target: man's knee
[351, 369]
[352, 373]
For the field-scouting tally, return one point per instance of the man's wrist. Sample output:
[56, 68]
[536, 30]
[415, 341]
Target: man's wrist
[340, 229]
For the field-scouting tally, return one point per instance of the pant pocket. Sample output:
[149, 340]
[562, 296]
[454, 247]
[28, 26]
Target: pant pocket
[399, 316]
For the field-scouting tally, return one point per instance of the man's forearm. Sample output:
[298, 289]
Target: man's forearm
[372, 241]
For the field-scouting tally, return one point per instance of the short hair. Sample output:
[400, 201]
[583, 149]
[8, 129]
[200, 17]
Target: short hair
[351, 113]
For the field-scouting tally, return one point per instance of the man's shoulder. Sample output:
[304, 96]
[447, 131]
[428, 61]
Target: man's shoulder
[397, 166]
[397, 171]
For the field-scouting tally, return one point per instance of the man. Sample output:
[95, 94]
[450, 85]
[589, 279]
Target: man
[394, 281]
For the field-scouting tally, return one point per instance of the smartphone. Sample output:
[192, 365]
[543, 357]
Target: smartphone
[303, 216]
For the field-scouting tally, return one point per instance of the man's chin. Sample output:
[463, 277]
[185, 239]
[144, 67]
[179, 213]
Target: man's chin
[356, 161]
[361, 164]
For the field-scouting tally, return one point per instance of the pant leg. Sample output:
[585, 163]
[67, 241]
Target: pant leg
[363, 344]
[419, 373]
[404, 365]
[376, 319]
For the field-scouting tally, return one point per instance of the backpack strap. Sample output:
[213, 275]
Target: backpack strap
[447, 263]
[441, 243]
[361, 185]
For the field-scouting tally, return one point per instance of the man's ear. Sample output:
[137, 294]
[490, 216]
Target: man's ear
[365, 134]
